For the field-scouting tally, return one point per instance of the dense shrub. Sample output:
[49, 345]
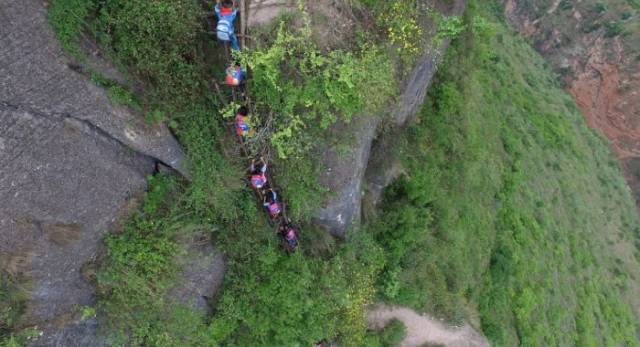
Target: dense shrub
[157, 41]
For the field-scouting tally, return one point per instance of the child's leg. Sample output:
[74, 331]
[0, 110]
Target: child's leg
[234, 42]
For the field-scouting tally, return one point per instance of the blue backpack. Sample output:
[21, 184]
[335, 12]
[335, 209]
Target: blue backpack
[224, 29]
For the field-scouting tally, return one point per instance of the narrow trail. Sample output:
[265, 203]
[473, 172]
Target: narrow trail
[424, 329]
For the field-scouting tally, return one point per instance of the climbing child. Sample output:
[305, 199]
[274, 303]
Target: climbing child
[236, 77]
[289, 235]
[243, 130]
[258, 172]
[225, 29]
[271, 204]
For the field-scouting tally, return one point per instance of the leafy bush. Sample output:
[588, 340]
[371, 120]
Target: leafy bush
[613, 28]
[304, 91]
[158, 45]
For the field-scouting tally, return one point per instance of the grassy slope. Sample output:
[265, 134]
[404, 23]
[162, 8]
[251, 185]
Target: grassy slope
[511, 205]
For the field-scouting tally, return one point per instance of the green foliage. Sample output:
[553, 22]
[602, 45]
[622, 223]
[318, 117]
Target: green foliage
[271, 299]
[503, 174]
[12, 305]
[406, 24]
[600, 7]
[308, 91]
[88, 312]
[403, 29]
[157, 44]
[117, 93]
[449, 27]
[613, 28]
[391, 336]
[68, 20]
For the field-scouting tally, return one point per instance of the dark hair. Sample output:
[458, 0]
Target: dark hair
[227, 3]
[243, 110]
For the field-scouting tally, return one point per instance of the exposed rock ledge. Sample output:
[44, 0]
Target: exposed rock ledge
[71, 163]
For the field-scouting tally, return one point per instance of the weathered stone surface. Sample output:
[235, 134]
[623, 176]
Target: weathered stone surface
[34, 74]
[62, 185]
[264, 11]
[78, 333]
[70, 162]
[344, 175]
[203, 271]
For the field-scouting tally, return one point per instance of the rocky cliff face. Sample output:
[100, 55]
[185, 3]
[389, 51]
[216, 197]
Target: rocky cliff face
[345, 173]
[71, 164]
[595, 48]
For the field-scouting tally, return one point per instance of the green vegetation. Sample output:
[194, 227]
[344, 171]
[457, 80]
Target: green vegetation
[117, 93]
[512, 204]
[68, 20]
[507, 206]
[11, 307]
[293, 75]
[268, 297]
[390, 336]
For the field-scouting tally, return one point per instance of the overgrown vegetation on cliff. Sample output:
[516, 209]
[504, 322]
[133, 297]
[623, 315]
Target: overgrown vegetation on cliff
[510, 205]
[502, 218]
[268, 298]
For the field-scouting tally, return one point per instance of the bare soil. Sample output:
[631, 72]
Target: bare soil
[422, 329]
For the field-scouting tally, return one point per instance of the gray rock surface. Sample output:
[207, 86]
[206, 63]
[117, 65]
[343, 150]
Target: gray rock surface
[345, 174]
[78, 333]
[63, 183]
[71, 161]
[35, 74]
[203, 271]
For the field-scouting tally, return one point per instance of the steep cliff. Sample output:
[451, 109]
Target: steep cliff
[595, 48]
[345, 173]
[71, 164]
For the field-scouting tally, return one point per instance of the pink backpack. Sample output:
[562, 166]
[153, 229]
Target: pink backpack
[274, 209]
[291, 234]
[258, 181]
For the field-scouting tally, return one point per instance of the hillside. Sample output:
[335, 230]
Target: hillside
[595, 48]
[513, 208]
[425, 151]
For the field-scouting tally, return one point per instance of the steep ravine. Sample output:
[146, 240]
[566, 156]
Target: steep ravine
[72, 163]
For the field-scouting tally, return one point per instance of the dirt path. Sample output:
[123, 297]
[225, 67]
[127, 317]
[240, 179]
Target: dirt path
[424, 329]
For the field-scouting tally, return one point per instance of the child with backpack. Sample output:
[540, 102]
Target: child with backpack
[226, 12]
[289, 234]
[258, 171]
[271, 204]
[243, 129]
